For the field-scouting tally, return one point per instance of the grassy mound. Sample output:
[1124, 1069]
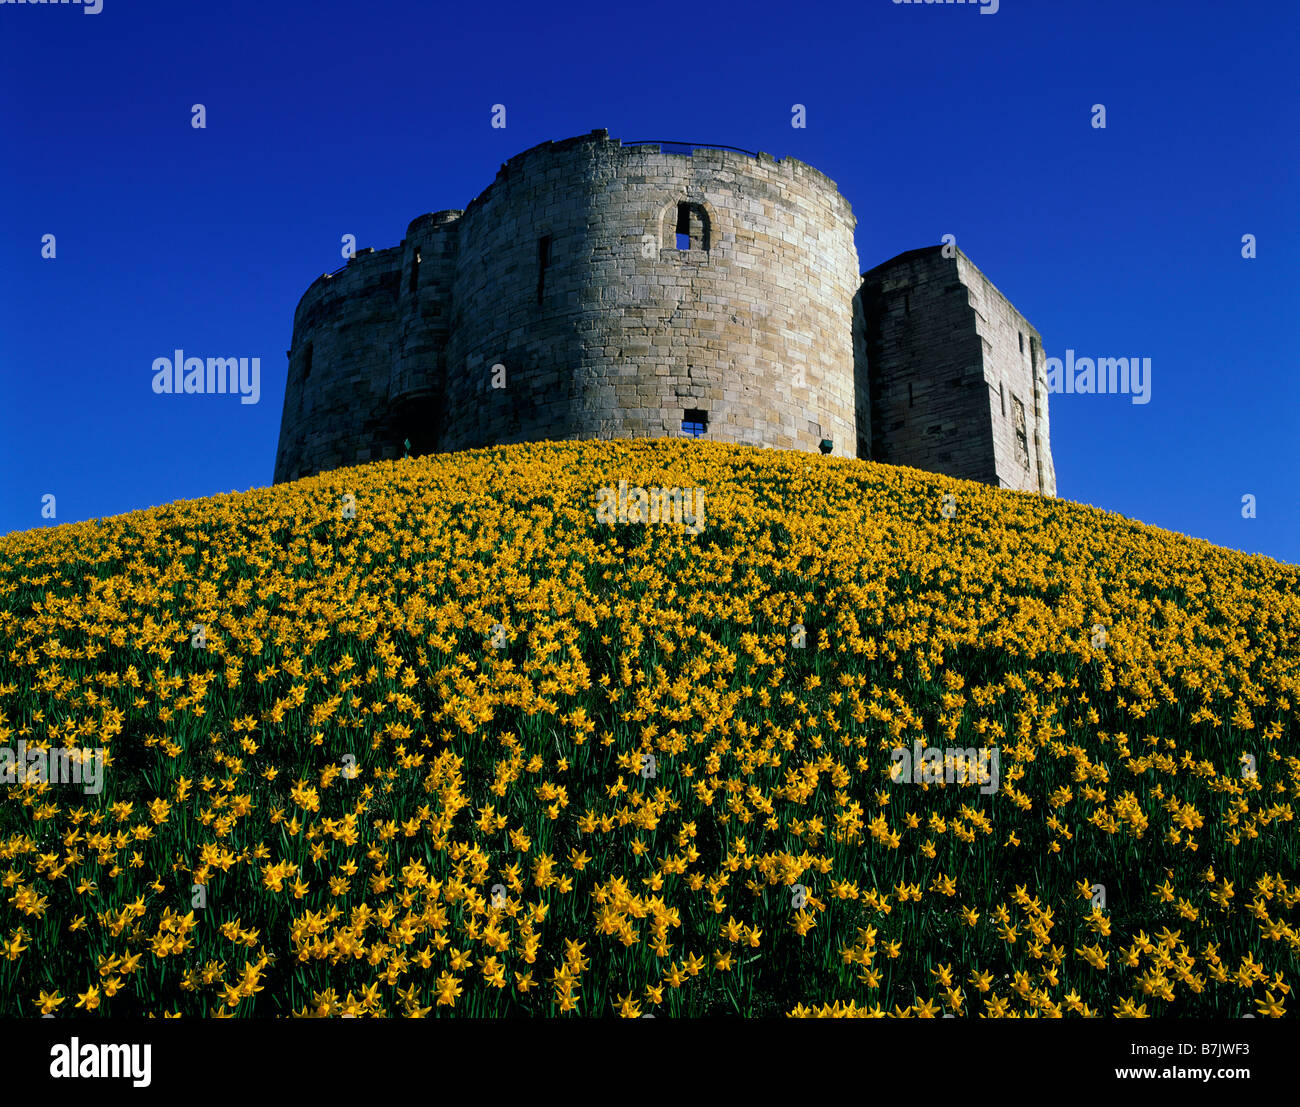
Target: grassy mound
[446, 736]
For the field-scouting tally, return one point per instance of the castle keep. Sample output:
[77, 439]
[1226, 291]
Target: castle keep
[596, 290]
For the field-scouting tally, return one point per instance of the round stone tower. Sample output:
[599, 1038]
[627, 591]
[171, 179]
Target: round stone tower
[592, 290]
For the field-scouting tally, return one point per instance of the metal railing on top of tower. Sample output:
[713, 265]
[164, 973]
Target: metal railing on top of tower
[689, 147]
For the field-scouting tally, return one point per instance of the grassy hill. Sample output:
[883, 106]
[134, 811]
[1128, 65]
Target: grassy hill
[428, 737]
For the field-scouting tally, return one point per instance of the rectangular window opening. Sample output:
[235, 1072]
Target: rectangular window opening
[683, 227]
[692, 231]
[306, 362]
[415, 273]
[694, 422]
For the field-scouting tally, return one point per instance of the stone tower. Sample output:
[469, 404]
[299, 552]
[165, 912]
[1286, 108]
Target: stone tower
[624, 290]
[955, 381]
[601, 290]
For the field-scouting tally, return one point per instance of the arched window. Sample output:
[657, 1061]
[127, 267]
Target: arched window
[692, 227]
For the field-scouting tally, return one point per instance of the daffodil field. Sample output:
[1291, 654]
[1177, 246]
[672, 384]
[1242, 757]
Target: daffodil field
[428, 738]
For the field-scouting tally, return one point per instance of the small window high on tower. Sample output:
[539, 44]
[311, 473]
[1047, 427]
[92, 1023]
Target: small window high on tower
[692, 227]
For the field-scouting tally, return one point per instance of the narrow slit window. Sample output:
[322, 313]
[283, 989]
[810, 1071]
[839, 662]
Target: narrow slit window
[306, 361]
[694, 422]
[543, 264]
[1002, 399]
[415, 273]
[1022, 439]
[910, 400]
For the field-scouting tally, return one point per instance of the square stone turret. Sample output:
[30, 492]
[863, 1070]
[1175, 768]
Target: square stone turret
[954, 375]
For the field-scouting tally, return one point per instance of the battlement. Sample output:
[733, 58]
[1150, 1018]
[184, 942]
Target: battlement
[602, 289]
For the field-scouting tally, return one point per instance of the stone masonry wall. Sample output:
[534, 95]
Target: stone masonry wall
[336, 409]
[956, 377]
[751, 324]
[928, 401]
[1016, 377]
[605, 328]
[417, 388]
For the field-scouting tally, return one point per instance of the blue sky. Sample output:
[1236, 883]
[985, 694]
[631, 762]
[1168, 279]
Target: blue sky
[326, 119]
